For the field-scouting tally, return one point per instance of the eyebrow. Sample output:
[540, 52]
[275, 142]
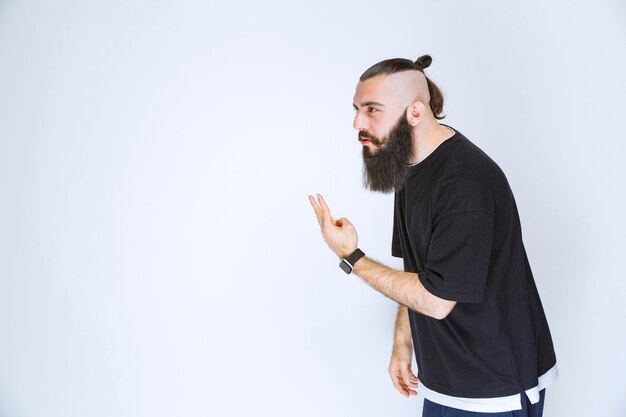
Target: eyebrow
[369, 103]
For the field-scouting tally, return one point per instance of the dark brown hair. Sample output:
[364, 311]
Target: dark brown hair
[395, 65]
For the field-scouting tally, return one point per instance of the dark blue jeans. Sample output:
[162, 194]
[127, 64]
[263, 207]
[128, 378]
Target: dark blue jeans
[528, 410]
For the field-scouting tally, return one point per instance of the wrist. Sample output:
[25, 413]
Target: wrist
[345, 253]
[402, 343]
[359, 263]
[348, 262]
[402, 348]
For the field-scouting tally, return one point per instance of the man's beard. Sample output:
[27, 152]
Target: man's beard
[386, 169]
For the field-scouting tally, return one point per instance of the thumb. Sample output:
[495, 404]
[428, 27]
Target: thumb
[406, 373]
[345, 222]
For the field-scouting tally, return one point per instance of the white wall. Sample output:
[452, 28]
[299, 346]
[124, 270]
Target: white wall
[159, 256]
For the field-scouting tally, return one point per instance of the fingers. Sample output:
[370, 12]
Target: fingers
[401, 382]
[343, 222]
[321, 210]
[325, 209]
[408, 378]
[405, 375]
[318, 210]
[396, 380]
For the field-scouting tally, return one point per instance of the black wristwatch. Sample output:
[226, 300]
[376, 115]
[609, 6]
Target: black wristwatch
[348, 264]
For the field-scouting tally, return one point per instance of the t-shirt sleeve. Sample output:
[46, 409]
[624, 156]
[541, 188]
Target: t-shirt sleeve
[458, 257]
[396, 249]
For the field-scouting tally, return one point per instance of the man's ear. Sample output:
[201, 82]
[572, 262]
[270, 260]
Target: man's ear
[415, 113]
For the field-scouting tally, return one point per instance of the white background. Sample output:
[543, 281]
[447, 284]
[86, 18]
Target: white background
[159, 256]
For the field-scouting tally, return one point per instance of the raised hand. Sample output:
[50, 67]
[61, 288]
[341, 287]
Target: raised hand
[340, 235]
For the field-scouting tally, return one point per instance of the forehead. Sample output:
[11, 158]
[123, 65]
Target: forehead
[371, 89]
[380, 89]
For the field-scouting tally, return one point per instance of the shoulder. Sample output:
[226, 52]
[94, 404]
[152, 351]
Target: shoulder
[470, 161]
[467, 178]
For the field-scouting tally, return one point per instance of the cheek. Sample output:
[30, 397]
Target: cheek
[383, 128]
[377, 130]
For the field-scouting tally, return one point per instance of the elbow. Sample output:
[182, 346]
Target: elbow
[439, 314]
[442, 309]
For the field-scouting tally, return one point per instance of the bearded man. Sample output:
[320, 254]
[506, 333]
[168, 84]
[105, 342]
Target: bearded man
[468, 305]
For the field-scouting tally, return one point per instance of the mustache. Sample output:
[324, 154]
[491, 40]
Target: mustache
[375, 140]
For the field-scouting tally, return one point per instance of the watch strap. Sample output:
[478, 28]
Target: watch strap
[347, 264]
[355, 256]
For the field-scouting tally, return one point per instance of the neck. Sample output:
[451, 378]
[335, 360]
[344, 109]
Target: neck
[427, 136]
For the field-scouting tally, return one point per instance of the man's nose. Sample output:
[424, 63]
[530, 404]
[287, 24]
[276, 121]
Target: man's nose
[359, 122]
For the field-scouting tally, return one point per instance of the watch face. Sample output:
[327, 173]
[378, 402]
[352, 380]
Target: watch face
[345, 266]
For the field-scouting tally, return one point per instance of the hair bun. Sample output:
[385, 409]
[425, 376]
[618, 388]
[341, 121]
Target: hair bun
[423, 62]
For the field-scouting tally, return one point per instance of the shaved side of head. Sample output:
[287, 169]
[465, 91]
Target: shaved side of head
[406, 80]
[409, 87]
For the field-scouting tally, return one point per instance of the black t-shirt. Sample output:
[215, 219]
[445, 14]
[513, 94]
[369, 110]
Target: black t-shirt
[456, 225]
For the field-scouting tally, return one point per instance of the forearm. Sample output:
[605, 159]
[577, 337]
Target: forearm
[403, 287]
[402, 332]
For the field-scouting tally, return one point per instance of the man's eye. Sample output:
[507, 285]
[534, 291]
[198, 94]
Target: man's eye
[372, 109]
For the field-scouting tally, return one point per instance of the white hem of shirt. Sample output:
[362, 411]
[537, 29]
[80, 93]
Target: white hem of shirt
[495, 404]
